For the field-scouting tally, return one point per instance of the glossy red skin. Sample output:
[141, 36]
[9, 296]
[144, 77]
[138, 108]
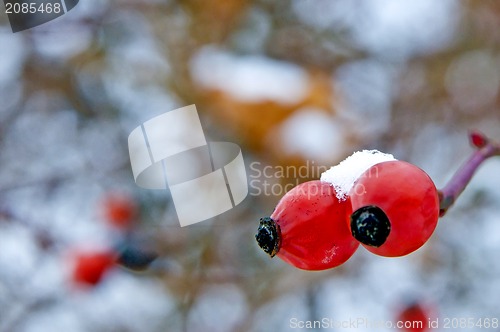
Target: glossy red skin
[90, 267]
[313, 223]
[409, 198]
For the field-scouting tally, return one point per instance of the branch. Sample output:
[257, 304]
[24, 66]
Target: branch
[485, 148]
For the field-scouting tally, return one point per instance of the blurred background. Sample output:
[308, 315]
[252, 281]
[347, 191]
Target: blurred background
[299, 83]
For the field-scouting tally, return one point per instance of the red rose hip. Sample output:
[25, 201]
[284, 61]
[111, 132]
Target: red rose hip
[309, 228]
[396, 208]
[119, 210]
[414, 318]
[90, 267]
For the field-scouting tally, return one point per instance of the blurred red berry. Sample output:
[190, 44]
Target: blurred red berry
[119, 210]
[90, 267]
[396, 208]
[414, 318]
[309, 228]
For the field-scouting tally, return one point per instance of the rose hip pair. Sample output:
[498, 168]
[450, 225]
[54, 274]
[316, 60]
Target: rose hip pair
[391, 208]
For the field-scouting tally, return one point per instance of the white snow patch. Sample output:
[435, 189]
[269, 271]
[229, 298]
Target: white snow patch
[367, 89]
[230, 309]
[12, 60]
[313, 134]
[61, 44]
[395, 29]
[249, 78]
[343, 176]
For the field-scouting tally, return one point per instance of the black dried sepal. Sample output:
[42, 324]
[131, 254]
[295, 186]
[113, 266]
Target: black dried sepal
[136, 259]
[268, 236]
[370, 225]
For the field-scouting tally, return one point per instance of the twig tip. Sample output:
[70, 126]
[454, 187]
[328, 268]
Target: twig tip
[478, 139]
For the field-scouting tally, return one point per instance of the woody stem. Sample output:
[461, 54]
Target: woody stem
[485, 148]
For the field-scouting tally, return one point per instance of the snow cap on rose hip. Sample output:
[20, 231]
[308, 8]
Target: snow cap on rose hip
[371, 225]
[343, 176]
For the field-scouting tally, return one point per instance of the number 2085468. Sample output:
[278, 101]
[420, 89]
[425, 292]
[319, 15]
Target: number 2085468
[470, 323]
[32, 8]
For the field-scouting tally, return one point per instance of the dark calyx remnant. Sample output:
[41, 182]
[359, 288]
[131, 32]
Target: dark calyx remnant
[136, 259]
[370, 225]
[268, 236]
